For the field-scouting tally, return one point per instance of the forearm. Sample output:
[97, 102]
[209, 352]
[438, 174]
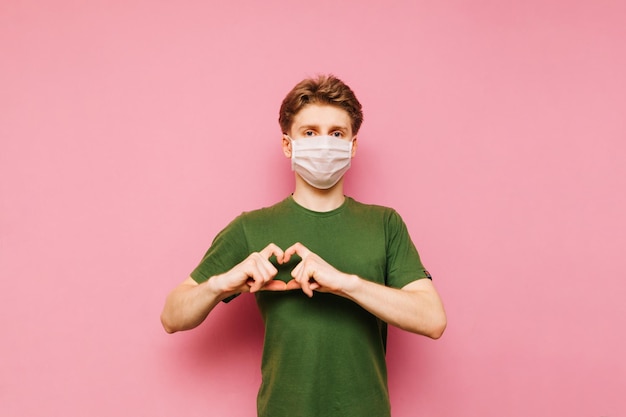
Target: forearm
[189, 304]
[416, 308]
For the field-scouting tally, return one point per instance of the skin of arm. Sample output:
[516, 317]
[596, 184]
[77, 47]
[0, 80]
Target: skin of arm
[190, 303]
[416, 307]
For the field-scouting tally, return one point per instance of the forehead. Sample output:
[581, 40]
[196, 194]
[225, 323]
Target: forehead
[322, 115]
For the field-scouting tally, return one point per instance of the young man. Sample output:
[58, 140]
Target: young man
[328, 273]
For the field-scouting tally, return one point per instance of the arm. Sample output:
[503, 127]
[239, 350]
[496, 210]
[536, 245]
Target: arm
[190, 303]
[416, 307]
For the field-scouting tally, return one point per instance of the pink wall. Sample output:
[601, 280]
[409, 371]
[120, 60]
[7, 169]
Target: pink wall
[132, 132]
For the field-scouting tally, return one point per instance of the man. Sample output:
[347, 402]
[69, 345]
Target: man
[328, 273]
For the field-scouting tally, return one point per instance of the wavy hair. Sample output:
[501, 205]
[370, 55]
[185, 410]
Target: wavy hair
[322, 89]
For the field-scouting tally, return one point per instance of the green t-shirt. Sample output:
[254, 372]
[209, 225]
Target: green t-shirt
[322, 356]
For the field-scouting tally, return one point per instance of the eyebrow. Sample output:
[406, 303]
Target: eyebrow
[317, 127]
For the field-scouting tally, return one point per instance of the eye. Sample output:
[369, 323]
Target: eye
[309, 133]
[337, 134]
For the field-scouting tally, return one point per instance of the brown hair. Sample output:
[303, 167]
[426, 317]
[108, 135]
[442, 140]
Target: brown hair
[323, 89]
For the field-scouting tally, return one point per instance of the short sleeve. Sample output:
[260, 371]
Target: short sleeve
[229, 247]
[403, 261]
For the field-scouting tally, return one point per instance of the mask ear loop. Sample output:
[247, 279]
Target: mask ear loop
[352, 148]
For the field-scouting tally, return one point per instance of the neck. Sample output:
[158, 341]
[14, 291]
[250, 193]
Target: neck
[318, 200]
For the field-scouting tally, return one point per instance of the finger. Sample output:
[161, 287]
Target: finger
[259, 272]
[256, 281]
[296, 270]
[278, 285]
[274, 285]
[265, 267]
[297, 248]
[292, 285]
[259, 267]
[302, 276]
[270, 250]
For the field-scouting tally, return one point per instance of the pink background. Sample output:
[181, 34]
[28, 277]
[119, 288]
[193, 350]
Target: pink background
[131, 132]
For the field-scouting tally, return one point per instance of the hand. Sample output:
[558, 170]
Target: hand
[313, 273]
[254, 273]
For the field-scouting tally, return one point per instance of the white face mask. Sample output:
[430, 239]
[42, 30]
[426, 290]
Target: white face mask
[321, 160]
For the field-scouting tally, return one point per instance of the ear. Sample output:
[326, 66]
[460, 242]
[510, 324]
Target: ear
[286, 146]
[354, 146]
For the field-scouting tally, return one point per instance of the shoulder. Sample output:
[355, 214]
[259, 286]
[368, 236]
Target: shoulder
[374, 214]
[264, 213]
[250, 222]
[372, 209]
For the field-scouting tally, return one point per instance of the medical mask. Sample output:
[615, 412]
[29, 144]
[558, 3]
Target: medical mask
[321, 160]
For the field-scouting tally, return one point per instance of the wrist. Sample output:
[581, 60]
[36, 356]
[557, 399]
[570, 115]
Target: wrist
[216, 288]
[351, 284]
